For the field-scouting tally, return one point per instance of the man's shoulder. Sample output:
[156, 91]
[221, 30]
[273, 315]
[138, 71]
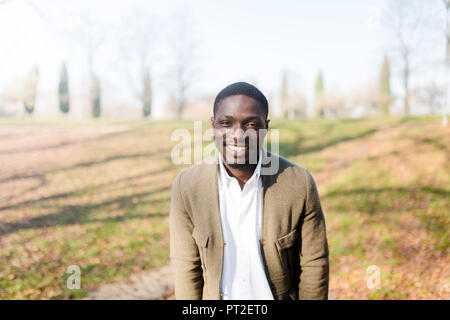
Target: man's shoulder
[194, 175]
[287, 170]
[292, 181]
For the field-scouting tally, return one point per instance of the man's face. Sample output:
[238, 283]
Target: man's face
[237, 129]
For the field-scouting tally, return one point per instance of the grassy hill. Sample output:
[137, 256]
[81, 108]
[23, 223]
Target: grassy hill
[97, 195]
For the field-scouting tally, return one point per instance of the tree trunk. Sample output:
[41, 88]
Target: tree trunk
[180, 109]
[406, 86]
[447, 68]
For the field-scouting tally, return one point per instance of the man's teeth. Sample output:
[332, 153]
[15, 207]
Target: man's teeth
[236, 148]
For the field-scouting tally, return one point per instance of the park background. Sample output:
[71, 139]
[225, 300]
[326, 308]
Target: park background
[91, 92]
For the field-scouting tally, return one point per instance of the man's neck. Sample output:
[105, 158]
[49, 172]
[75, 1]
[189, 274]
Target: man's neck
[242, 174]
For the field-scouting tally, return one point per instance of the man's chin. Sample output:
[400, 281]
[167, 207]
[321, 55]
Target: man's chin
[237, 163]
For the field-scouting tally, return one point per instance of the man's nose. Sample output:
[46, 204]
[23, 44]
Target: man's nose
[237, 134]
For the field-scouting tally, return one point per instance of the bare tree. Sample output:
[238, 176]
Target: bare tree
[137, 46]
[404, 19]
[432, 95]
[90, 34]
[184, 47]
[293, 103]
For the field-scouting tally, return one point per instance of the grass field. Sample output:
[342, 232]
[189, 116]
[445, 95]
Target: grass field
[97, 195]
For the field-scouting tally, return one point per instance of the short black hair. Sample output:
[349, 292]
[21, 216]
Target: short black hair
[244, 88]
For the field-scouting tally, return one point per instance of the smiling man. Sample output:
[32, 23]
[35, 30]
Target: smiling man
[250, 225]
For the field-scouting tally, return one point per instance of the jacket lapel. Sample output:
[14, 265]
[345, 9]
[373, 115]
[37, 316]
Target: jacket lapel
[267, 181]
[211, 197]
[211, 194]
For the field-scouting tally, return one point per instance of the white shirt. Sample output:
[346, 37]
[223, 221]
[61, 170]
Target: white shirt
[243, 276]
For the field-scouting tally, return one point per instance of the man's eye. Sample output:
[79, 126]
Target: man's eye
[252, 125]
[225, 123]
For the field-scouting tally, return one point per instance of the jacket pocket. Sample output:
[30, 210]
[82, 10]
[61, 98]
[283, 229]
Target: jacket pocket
[202, 241]
[286, 251]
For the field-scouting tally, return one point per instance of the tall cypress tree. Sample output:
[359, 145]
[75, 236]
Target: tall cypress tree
[318, 99]
[63, 90]
[284, 96]
[147, 95]
[95, 97]
[385, 86]
[30, 90]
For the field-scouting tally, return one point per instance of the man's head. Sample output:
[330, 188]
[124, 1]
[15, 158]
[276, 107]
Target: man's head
[240, 123]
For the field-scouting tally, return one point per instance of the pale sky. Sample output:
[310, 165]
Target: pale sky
[247, 40]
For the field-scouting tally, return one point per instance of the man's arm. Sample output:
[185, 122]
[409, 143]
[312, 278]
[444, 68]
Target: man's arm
[314, 247]
[183, 249]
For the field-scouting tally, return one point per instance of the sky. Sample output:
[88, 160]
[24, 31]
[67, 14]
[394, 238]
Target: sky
[254, 41]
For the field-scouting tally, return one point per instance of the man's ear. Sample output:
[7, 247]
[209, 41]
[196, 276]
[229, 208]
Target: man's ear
[267, 123]
[212, 121]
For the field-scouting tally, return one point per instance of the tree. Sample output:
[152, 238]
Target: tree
[63, 90]
[30, 90]
[432, 94]
[95, 97]
[405, 21]
[184, 49]
[293, 103]
[90, 34]
[385, 87]
[447, 63]
[91, 37]
[147, 95]
[319, 96]
[139, 38]
[284, 96]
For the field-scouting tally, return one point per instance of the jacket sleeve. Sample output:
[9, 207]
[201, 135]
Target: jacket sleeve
[184, 253]
[314, 262]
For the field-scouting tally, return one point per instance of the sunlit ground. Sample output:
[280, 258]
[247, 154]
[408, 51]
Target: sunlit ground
[97, 195]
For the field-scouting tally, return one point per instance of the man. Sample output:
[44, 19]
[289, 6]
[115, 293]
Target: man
[249, 226]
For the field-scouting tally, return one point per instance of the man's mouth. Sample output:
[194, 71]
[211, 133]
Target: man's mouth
[236, 148]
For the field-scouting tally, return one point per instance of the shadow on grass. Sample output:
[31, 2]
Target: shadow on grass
[161, 152]
[64, 143]
[80, 214]
[371, 201]
[433, 142]
[63, 195]
[295, 148]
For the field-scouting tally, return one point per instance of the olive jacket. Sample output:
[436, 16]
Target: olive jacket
[293, 238]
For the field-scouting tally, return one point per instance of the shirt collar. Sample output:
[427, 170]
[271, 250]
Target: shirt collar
[227, 178]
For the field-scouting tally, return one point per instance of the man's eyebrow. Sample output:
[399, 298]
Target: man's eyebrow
[252, 118]
[246, 119]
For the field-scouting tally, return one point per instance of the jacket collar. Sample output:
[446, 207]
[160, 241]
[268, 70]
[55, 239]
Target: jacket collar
[226, 178]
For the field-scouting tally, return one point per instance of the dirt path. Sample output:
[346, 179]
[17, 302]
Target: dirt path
[156, 284]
